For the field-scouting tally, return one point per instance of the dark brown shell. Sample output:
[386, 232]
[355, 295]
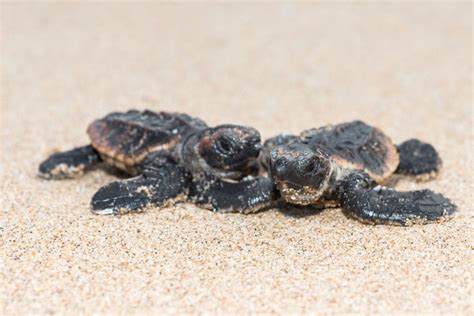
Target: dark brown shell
[356, 145]
[124, 139]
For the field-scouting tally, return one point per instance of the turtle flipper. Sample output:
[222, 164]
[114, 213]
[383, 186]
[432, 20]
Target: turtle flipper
[359, 195]
[69, 164]
[418, 159]
[161, 181]
[248, 195]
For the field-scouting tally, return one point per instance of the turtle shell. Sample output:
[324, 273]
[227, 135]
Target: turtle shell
[124, 139]
[355, 145]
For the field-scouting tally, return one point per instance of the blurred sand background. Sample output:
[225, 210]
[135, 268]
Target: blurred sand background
[406, 68]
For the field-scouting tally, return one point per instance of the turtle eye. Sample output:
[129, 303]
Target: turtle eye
[223, 145]
[311, 167]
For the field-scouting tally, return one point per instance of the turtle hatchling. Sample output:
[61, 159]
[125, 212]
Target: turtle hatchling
[346, 164]
[171, 157]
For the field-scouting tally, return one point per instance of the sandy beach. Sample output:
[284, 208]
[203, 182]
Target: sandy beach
[406, 68]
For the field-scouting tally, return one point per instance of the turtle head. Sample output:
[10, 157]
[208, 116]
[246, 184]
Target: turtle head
[229, 149]
[300, 172]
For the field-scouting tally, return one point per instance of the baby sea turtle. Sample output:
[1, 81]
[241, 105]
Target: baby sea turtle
[344, 165]
[172, 156]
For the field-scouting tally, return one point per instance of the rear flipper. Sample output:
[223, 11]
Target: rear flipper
[361, 198]
[248, 195]
[418, 159]
[161, 182]
[69, 164]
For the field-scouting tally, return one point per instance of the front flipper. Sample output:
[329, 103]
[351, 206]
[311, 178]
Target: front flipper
[69, 164]
[373, 204]
[161, 181]
[418, 159]
[248, 195]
